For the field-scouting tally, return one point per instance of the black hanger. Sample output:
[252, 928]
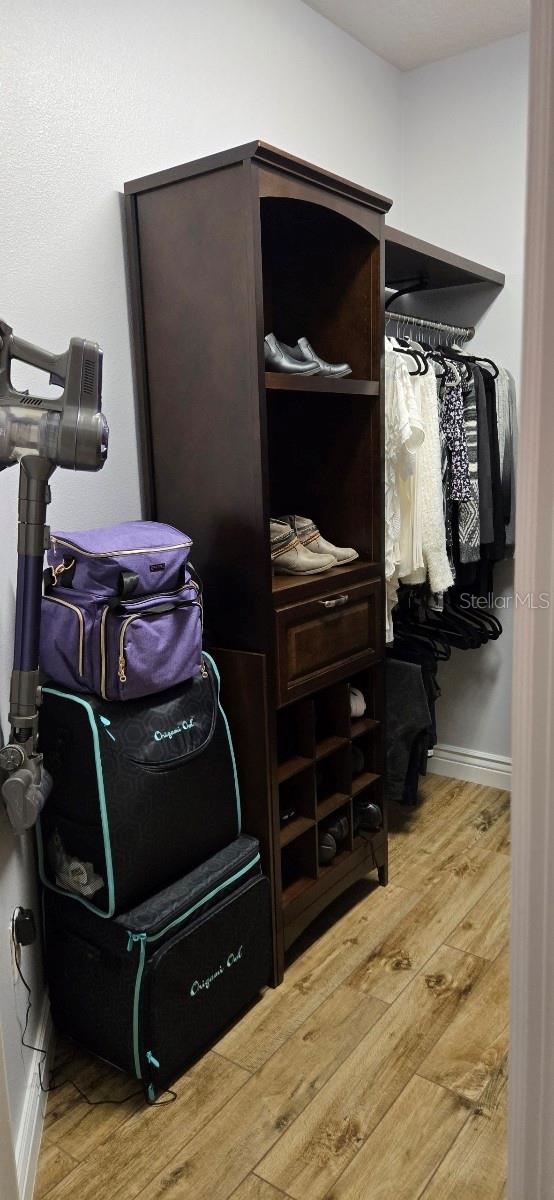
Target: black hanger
[475, 358]
[462, 359]
[416, 350]
[487, 620]
[495, 371]
[418, 358]
[413, 635]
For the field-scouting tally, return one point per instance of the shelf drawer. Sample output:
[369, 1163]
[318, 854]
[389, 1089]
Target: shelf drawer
[323, 638]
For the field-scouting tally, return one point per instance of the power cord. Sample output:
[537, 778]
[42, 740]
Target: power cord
[53, 1086]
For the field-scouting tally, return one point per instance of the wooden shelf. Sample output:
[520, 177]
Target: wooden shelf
[328, 746]
[296, 889]
[337, 864]
[287, 588]
[331, 804]
[280, 382]
[292, 766]
[362, 725]
[294, 829]
[408, 257]
[363, 781]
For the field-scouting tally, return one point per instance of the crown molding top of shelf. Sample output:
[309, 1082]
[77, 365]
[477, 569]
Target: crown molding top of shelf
[270, 156]
[408, 257]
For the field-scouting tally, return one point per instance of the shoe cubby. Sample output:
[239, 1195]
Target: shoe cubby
[319, 272]
[333, 781]
[370, 684]
[299, 866]
[295, 739]
[313, 441]
[339, 763]
[230, 248]
[344, 843]
[331, 712]
[297, 804]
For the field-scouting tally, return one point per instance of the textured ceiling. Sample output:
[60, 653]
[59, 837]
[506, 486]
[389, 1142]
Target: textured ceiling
[409, 33]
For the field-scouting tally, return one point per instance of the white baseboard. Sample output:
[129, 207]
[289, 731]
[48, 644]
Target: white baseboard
[473, 765]
[30, 1129]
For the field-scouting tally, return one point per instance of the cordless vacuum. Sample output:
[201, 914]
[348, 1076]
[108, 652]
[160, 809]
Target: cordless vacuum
[40, 434]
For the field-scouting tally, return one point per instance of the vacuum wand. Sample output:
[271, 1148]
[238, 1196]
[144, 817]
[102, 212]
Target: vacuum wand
[40, 433]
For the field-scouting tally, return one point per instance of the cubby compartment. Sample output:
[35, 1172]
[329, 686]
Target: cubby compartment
[297, 804]
[299, 866]
[295, 739]
[320, 280]
[324, 464]
[333, 781]
[370, 684]
[331, 712]
[372, 793]
[366, 761]
[342, 815]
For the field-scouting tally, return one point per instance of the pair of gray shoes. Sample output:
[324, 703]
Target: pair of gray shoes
[297, 548]
[300, 359]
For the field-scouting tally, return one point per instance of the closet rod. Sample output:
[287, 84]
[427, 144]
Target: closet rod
[466, 332]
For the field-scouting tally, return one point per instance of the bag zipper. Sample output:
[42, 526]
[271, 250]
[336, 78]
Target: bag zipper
[155, 937]
[154, 595]
[55, 541]
[122, 663]
[73, 607]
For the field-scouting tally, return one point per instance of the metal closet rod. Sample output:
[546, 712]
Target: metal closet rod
[466, 332]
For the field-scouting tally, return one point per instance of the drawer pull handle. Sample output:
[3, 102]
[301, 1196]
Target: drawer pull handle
[336, 602]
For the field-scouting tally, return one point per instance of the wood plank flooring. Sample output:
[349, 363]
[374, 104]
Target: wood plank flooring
[377, 1071]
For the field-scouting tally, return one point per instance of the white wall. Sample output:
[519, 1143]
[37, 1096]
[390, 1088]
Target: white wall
[92, 95]
[466, 190]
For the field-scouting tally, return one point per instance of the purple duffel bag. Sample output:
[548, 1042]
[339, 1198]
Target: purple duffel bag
[122, 611]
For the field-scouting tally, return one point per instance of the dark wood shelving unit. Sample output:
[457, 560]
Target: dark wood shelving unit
[361, 725]
[328, 746]
[222, 251]
[291, 588]
[331, 805]
[274, 381]
[360, 783]
[294, 829]
[408, 257]
[291, 767]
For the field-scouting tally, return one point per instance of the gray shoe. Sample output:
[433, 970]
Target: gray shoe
[308, 534]
[277, 358]
[290, 557]
[304, 352]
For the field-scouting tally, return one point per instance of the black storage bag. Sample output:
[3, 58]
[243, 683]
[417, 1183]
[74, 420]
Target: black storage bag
[144, 791]
[152, 989]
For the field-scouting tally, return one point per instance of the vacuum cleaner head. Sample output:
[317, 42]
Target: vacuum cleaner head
[69, 430]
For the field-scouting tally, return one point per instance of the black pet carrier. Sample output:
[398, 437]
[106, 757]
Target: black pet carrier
[144, 791]
[154, 987]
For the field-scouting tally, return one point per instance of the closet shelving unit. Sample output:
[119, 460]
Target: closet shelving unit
[409, 259]
[221, 252]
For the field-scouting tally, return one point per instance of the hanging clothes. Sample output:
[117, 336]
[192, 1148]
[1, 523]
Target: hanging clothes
[469, 525]
[506, 410]
[403, 434]
[428, 485]
[452, 516]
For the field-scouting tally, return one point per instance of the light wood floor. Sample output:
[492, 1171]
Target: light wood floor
[376, 1072]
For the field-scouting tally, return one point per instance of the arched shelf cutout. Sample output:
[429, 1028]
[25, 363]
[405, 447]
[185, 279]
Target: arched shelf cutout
[321, 280]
